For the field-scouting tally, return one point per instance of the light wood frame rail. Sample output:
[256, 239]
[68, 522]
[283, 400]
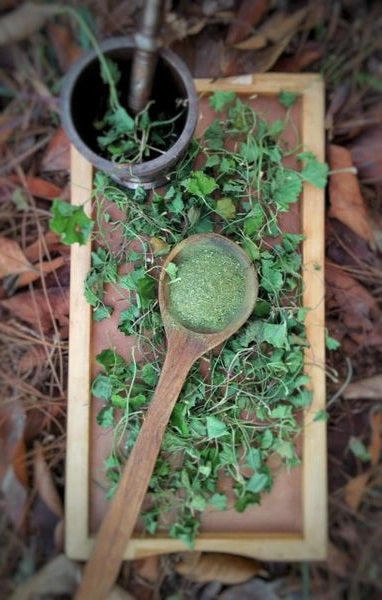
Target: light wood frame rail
[312, 543]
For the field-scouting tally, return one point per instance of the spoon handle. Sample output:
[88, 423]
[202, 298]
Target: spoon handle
[118, 524]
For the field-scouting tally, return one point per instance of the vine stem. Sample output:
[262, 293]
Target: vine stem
[71, 12]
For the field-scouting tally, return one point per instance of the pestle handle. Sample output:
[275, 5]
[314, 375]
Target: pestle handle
[145, 55]
[102, 568]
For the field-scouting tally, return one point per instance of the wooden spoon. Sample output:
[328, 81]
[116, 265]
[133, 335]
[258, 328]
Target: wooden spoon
[184, 347]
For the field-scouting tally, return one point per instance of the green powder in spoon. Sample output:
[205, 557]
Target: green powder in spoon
[209, 289]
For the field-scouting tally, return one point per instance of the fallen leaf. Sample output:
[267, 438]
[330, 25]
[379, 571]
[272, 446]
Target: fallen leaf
[44, 484]
[358, 308]
[249, 14]
[43, 245]
[12, 258]
[65, 47]
[346, 202]
[7, 125]
[41, 188]
[369, 388]
[212, 566]
[15, 498]
[34, 307]
[366, 151]
[24, 21]
[355, 489]
[238, 62]
[38, 271]
[57, 154]
[58, 578]
[279, 26]
[148, 568]
[308, 54]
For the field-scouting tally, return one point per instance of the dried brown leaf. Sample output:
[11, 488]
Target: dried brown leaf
[308, 54]
[366, 151]
[346, 202]
[369, 388]
[249, 14]
[44, 244]
[337, 561]
[12, 258]
[44, 484]
[33, 307]
[148, 568]
[65, 47]
[237, 62]
[279, 26]
[24, 21]
[57, 154]
[39, 270]
[36, 186]
[355, 489]
[218, 567]
[358, 308]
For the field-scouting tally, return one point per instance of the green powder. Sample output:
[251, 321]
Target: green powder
[209, 289]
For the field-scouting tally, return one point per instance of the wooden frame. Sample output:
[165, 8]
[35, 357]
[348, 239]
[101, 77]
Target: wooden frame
[311, 543]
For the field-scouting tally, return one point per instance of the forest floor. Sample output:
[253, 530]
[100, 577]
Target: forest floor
[342, 40]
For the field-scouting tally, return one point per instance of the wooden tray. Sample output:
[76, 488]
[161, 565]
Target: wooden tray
[291, 523]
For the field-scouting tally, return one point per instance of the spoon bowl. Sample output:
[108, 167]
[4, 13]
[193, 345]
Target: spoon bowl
[184, 346]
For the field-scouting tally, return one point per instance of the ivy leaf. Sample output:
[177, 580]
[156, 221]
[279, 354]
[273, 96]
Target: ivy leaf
[226, 208]
[276, 128]
[220, 99]
[314, 172]
[109, 359]
[285, 449]
[321, 415]
[105, 417]
[219, 501]
[287, 99]
[102, 312]
[253, 458]
[287, 188]
[200, 184]
[272, 279]
[358, 449]
[121, 121]
[257, 483]
[331, 342]
[246, 500]
[149, 374]
[102, 387]
[172, 271]
[212, 161]
[215, 428]
[70, 222]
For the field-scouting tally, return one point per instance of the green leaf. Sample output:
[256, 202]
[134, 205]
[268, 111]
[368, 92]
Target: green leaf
[250, 150]
[149, 374]
[200, 184]
[178, 420]
[272, 278]
[313, 171]
[359, 450]
[198, 503]
[284, 449]
[110, 359]
[251, 249]
[287, 188]
[105, 417]
[70, 222]
[102, 387]
[321, 415]
[172, 271]
[146, 287]
[215, 427]
[102, 312]
[303, 399]
[219, 501]
[257, 483]
[226, 208]
[246, 500]
[121, 121]
[267, 439]
[212, 161]
[287, 99]
[253, 459]
[220, 99]
[275, 128]
[331, 342]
